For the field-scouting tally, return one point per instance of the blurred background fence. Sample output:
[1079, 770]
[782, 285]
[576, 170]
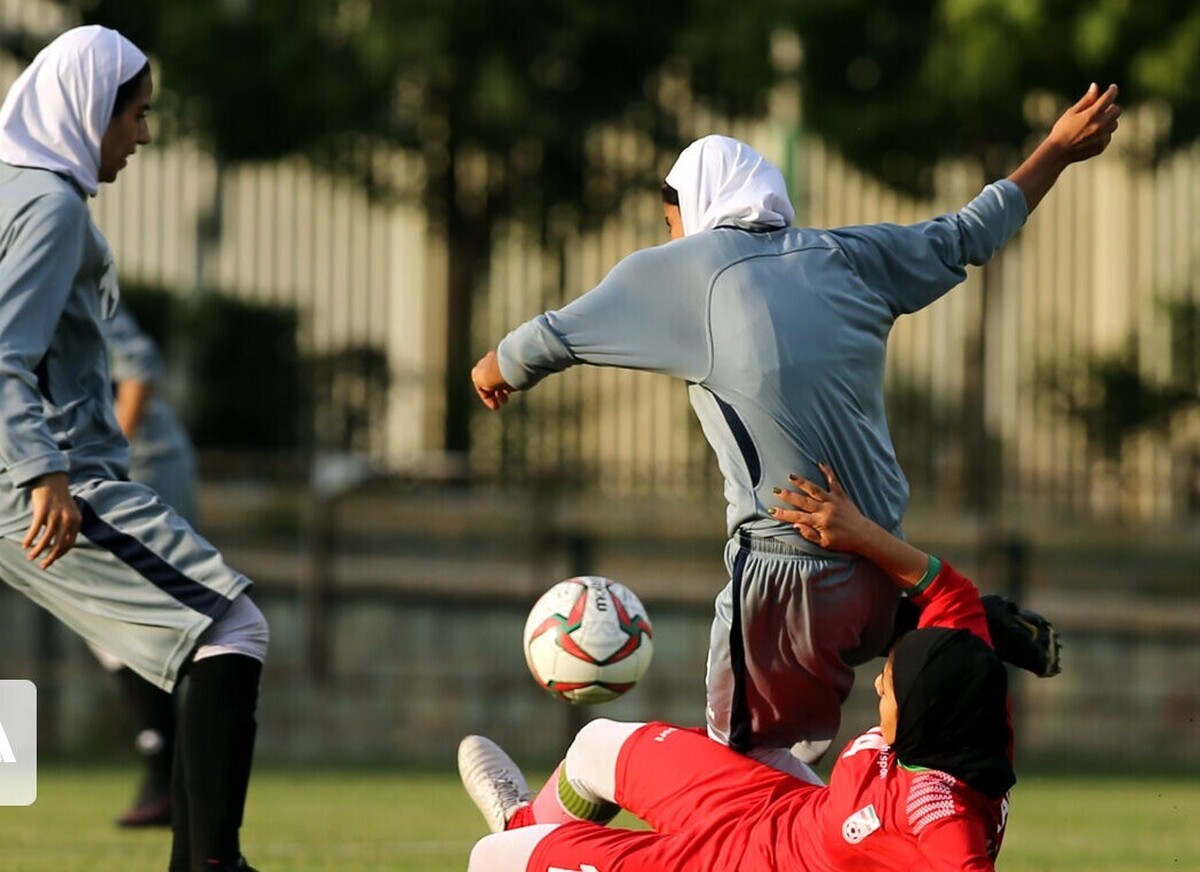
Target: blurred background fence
[1091, 318]
[407, 633]
[1045, 413]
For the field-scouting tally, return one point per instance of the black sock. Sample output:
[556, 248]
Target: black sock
[154, 713]
[215, 742]
[181, 843]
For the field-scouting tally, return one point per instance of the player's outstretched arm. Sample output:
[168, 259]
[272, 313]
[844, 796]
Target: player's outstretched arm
[1080, 133]
[489, 382]
[830, 519]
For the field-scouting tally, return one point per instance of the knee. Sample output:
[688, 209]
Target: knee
[479, 855]
[258, 632]
[592, 757]
[596, 726]
[591, 734]
[489, 854]
[509, 851]
[241, 630]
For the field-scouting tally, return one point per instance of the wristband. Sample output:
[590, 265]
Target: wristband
[931, 571]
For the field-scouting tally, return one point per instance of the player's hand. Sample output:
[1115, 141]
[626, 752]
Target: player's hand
[489, 383]
[1086, 129]
[56, 520]
[827, 518]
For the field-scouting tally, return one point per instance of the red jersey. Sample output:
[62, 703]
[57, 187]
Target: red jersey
[878, 814]
[713, 809]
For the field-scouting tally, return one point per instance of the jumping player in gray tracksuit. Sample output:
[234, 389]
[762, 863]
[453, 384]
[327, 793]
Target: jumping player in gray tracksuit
[781, 333]
[102, 553]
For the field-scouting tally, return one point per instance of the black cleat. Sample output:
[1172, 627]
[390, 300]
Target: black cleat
[1021, 637]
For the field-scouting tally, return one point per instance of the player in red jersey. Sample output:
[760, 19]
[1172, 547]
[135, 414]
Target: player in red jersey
[926, 789]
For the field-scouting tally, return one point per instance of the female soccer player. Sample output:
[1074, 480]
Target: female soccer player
[104, 554]
[926, 789]
[780, 334]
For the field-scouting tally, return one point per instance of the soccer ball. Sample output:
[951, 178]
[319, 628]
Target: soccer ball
[588, 640]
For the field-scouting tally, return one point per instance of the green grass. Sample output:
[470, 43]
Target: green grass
[386, 819]
[1124, 823]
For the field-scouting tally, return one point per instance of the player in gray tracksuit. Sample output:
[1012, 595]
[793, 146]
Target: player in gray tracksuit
[781, 333]
[160, 452]
[106, 555]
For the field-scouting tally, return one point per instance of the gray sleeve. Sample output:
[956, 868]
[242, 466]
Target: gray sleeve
[650, 313]
[912, 266]
[132, 355]
[40, 255]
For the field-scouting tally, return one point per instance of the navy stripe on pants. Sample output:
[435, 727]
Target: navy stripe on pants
[149, 565]
[740, 732]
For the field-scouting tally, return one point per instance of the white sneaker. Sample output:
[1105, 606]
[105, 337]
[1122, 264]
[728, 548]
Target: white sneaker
[493, 781]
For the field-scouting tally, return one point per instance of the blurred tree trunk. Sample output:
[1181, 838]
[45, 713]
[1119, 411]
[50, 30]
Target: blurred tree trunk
[981, 474]
[468, 249]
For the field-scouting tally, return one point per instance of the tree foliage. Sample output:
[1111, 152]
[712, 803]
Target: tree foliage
[898, 86]
[523, 84]
[1111, 397]
[500, 99]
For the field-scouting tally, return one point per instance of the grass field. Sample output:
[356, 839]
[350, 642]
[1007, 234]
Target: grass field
[384, 819]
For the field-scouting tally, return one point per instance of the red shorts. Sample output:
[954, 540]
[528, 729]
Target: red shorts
[711, 809]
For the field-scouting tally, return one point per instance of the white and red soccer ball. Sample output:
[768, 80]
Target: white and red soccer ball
[588, 640]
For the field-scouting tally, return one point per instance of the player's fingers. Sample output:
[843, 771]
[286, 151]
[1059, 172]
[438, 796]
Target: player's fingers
[1105, 122]
[809, 488]
[36, 523]
[792, 498]
[38, 546]
[788, 516]
[1105, 99]
[62, 526]
[55, 519]
[1102, 116]
[835, 486]
[62, 545]
[808, 531]
[1088, 98]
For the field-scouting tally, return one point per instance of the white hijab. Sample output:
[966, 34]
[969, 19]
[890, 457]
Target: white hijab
[721, 179]
[55, 114]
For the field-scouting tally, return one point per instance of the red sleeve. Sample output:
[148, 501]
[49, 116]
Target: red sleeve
[951, 600]
[955, 844]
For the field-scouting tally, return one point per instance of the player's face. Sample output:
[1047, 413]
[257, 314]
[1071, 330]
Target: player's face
[674, 220]
[889, 713]
[126, 131]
